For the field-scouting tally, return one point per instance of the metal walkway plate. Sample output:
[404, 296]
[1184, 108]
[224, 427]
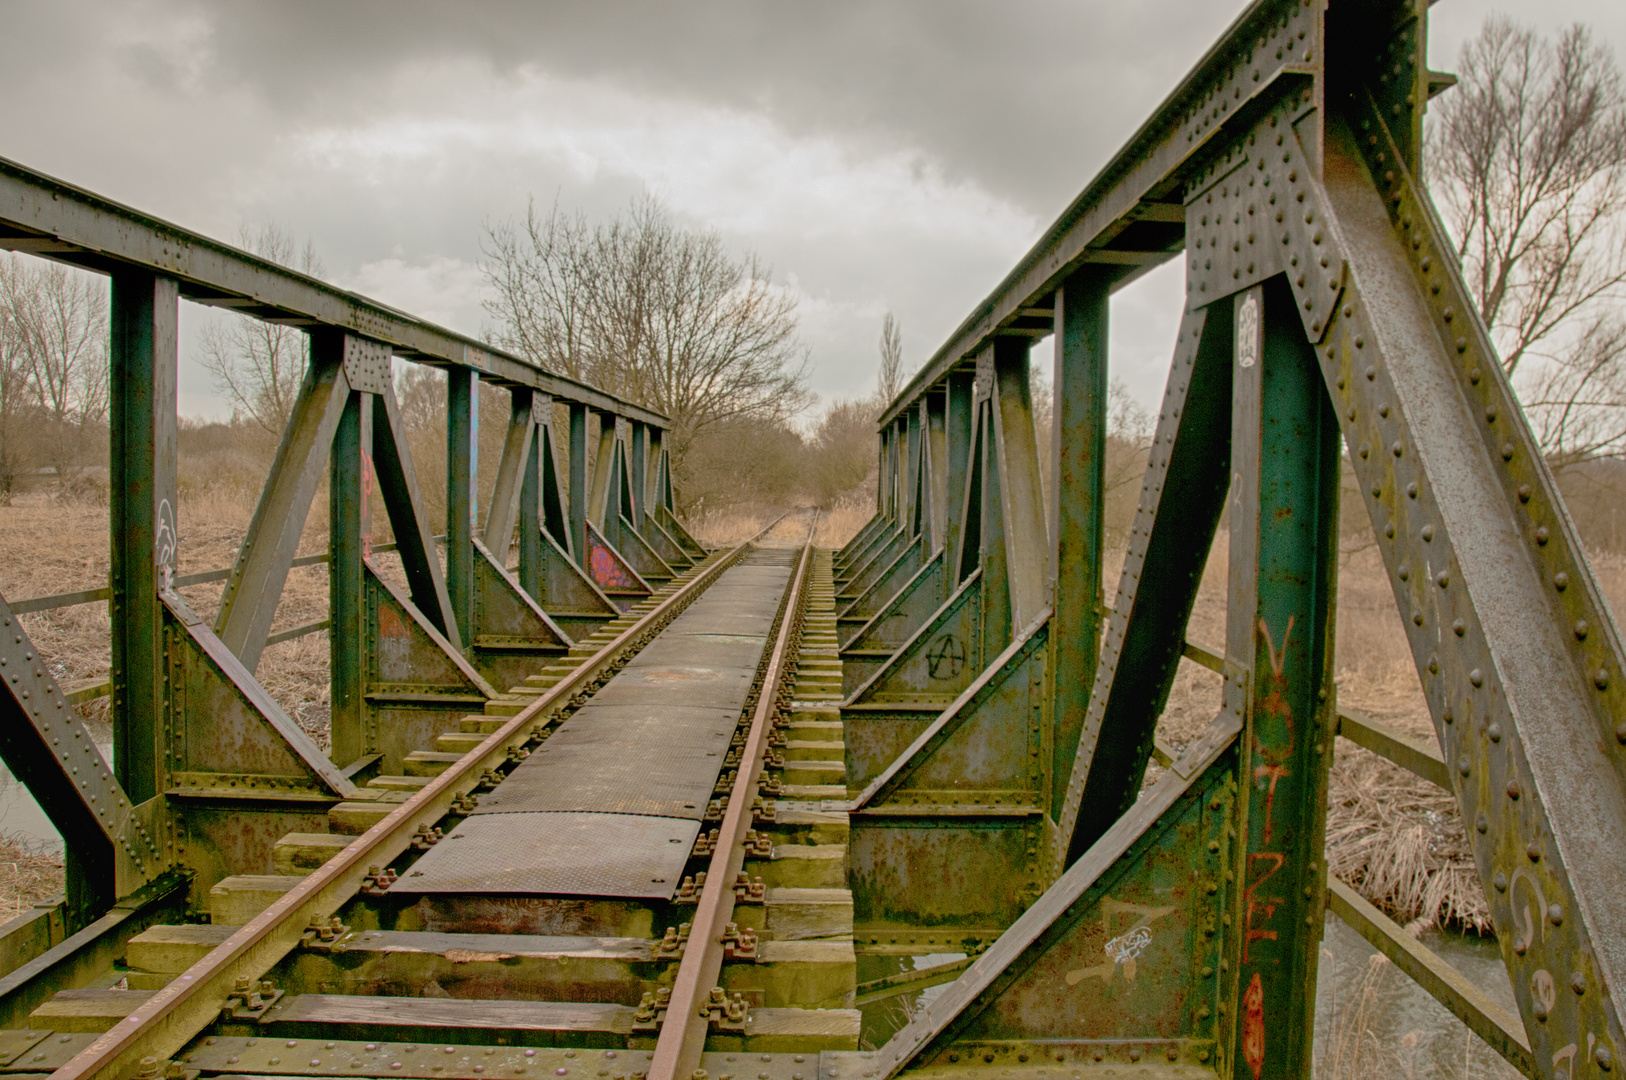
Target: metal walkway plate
[606, 778]
[610, 805]
[575, 854]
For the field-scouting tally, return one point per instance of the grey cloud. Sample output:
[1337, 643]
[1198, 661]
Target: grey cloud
[1024, 99]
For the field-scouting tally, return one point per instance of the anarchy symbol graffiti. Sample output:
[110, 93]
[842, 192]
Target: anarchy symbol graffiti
[946, 658]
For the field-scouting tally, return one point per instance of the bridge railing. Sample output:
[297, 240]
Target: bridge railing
[1001, 711]
[199, 747]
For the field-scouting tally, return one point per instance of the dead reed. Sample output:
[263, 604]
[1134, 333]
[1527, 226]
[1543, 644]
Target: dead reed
[29, 872]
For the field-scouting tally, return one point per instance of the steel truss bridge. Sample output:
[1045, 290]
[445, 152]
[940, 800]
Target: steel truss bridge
[637, 808]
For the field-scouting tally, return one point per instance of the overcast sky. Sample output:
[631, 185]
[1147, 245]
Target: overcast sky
[880, 156]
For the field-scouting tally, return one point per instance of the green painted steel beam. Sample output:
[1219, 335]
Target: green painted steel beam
[1279, 668]
[577, 485]
[350, 485]
[1078, 447]
[462, 496]
[143, 320]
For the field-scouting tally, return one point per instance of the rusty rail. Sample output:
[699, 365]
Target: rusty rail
[180, 1011]
[682, 1038]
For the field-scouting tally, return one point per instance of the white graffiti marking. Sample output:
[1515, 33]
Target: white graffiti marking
[1126, 948]
[1247, 332]
[164, 544]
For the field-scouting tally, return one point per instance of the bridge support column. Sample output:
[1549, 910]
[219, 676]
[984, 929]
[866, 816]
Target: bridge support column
[1077, 517]
[531, 523]
[143, 317]
[1279, 648]
[578, 481]
[640, 459]
[349, 542]
[462, 482]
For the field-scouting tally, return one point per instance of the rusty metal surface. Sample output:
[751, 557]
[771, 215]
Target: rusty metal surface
[1126, 934]
[558, 854]
[610, 776]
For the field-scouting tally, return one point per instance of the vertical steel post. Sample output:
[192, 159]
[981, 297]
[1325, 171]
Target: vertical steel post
[462, 468]
[142, 377]
[530, 514]
[578, 479]
[1021, 507]
[957, 436]
[640, 458]
[350, 489]
[600, 497]
[900, 469]
[883, 507]
[652, 485]
[1279, 649]
[936, 480]
[911, 478]
[1077, 518]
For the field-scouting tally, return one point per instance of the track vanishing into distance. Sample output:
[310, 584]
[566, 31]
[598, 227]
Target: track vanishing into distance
[632, 864]
[633, 808]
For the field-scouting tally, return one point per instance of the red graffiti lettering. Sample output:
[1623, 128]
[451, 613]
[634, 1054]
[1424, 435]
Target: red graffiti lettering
[1275, 702]
[1253, 1026]
[1275, 772]
[1265, 906]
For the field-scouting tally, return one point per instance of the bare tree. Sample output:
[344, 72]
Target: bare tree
[256, 364]
[659, 314]
[18, 406]
[1528, 159]
[57, 319]
[889, 378]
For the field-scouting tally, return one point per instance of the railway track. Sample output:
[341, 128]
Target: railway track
[633, 864]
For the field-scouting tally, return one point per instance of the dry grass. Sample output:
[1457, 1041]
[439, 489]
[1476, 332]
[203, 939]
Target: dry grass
[725, 528]
[1351, 1049]
[1400, 842]
[840, 524]
[29, 872]
[61, 546]
[1397, 839]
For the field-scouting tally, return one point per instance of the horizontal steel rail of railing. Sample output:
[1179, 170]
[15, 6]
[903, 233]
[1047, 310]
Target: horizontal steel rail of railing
[92, 691]
[41, 215]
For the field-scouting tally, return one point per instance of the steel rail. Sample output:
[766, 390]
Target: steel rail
[180, 1011]
[682, 1038]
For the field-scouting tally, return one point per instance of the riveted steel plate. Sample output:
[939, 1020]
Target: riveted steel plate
[554, 854]
[606, 778]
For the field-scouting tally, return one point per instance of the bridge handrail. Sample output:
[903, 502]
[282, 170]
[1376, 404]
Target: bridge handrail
[41, 215]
